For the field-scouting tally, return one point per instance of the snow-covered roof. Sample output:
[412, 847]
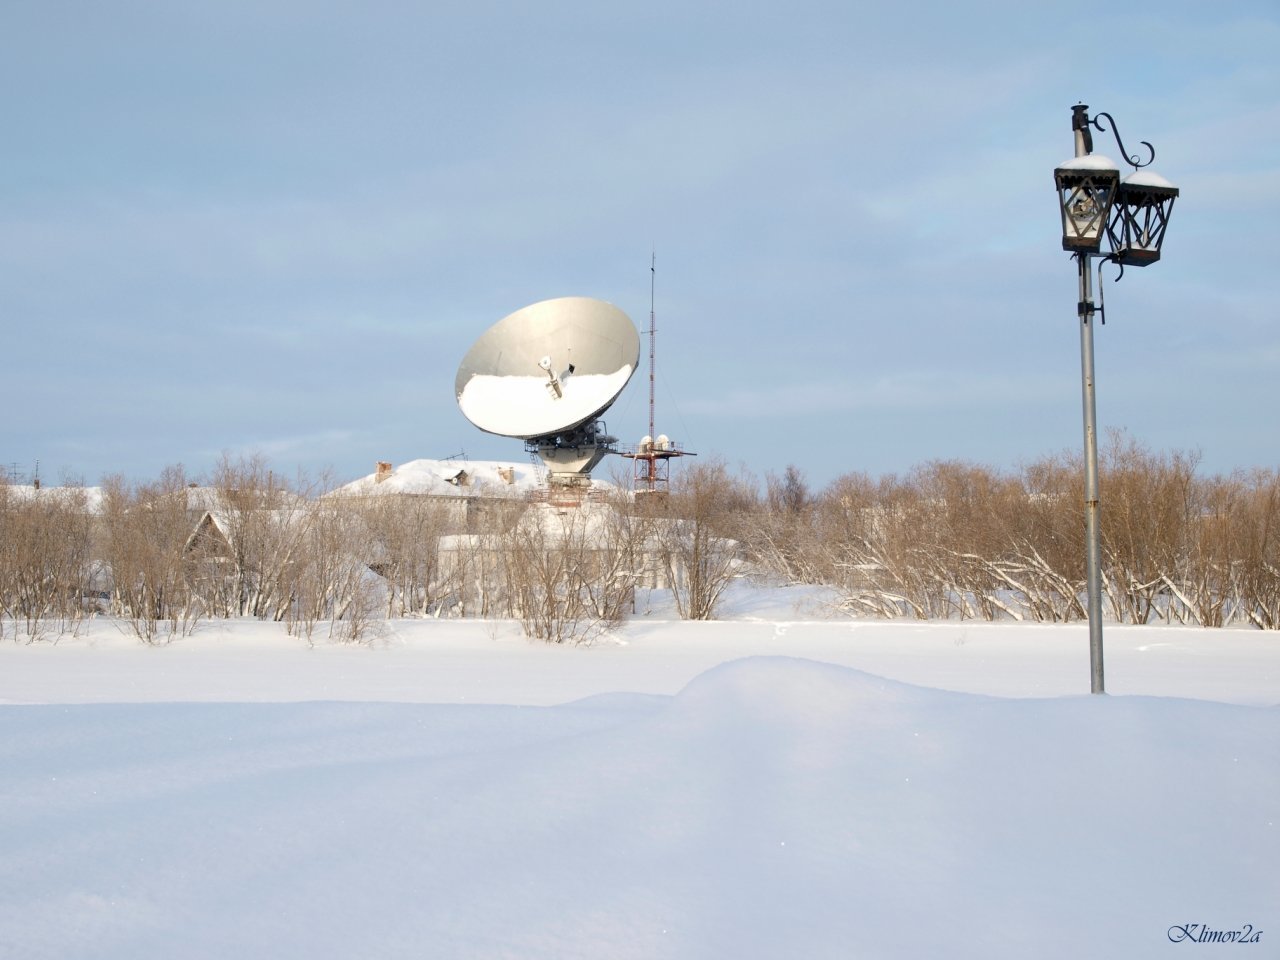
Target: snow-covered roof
[71, 496]
[485, 478]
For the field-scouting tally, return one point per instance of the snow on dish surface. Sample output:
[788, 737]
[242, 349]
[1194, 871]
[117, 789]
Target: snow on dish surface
[519, 406]
[755, 787]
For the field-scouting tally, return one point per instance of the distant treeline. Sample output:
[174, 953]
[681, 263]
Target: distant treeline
[960, 540]
[946, 540]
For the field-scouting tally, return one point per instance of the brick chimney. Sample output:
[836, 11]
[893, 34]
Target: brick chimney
[382, 472]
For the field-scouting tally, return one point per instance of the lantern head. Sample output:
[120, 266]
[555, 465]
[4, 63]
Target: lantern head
[1087, 186]
[1139, 216]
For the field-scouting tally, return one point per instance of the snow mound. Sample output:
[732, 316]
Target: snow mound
[791, 689]
[774, 807]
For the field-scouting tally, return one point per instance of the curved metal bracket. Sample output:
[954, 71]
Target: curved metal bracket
[1132, 161]
[1102, 305]
[1111, 259]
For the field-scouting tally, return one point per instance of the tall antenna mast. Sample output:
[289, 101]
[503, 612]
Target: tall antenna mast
[654, 452]
[653, 273]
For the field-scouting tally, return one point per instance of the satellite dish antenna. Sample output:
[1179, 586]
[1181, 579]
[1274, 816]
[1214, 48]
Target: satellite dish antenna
[545, 374]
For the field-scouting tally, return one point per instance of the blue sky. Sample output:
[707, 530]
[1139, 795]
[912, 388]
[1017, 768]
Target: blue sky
[276, 227]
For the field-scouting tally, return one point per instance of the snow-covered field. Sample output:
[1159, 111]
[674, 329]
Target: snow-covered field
[770, 785]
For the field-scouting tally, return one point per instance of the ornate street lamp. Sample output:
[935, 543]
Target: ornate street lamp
[1131, 215]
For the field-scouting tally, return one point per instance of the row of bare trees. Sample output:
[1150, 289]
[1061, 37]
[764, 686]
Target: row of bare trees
[946, 540]
[162, 556]
[959, 540]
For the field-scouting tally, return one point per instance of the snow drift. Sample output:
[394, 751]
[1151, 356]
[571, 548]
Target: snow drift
[774, 807]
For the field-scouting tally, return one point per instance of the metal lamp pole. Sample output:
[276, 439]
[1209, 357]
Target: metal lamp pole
[1132, 216]
[1093, 549]
[1092, 537]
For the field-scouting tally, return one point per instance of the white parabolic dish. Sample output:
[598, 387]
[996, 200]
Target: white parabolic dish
[548, 368]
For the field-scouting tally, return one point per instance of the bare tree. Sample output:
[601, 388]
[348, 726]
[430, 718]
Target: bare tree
[1146, 523]
[329, 578]
[783, 533]
[404, 547]
[567, 572]
[698, 549]
[45, 562]
[264, 522]
[1045, 562]
[147, 528]
[1255, 565]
